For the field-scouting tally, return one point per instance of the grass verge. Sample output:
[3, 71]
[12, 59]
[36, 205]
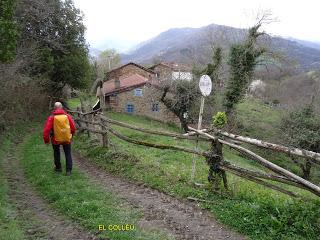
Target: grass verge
[77, 197]
[250, 209]
[10, 227]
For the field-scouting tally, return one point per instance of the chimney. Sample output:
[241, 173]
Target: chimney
[117, 82]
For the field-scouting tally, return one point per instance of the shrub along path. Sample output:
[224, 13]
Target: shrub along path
[38, 219]
[184, 219]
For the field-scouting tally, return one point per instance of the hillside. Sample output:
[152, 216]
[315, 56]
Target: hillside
[193, 45]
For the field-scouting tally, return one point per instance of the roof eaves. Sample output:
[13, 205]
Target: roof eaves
[124, 89]
[132, 63]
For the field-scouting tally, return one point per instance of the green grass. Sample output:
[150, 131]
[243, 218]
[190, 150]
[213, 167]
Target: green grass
[76, 196]
[258, 120]
[74, 103]
[141, 121]
[88, 102]
[250, 209]
[9, 226]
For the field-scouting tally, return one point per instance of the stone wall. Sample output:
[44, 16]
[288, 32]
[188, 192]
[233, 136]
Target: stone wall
[163, 73]
[143, 104]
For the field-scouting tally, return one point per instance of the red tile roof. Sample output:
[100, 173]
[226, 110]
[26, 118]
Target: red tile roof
[126, 83]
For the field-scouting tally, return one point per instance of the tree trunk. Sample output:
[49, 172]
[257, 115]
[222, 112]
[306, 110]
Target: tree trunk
[184, 124]
[214, 159]
[306, 170]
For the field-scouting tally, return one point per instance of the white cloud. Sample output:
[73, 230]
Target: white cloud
[126, 22]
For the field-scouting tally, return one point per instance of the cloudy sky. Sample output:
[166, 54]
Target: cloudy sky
[121, 24]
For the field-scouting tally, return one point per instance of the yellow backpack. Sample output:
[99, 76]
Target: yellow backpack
[61, 129]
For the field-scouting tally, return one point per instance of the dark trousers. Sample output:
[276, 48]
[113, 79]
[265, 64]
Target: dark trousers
[67, 153]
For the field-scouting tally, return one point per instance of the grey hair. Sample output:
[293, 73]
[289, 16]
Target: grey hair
[57, 105]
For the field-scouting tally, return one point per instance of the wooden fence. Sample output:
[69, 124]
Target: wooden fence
[96, 122]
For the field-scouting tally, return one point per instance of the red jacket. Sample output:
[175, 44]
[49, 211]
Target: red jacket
[48, 127]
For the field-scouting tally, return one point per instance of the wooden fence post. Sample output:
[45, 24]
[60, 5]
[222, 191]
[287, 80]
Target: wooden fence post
[86, 117]
[214, 158]
[79, 116]
[105, 140]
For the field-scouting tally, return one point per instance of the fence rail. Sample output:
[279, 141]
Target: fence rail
[96, 122]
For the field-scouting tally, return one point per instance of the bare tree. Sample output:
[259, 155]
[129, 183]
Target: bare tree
[179, 97]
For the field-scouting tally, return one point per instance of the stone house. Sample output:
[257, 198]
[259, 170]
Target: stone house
[171, 72]
[134, 89]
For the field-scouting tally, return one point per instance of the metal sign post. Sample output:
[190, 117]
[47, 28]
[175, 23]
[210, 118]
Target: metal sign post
[205, 86]
[201, 113]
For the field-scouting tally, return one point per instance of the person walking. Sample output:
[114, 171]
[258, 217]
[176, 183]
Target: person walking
[61, 128]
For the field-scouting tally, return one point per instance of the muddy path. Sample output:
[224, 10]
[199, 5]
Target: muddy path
[37, 219]
[183, 220]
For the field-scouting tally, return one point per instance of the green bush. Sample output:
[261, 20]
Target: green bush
[220, 119]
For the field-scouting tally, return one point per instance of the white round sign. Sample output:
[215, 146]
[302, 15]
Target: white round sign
[205, 85]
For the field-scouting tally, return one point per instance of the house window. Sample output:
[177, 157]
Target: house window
[155, 107]
[138, 92]
[130, 108]
[158, 75]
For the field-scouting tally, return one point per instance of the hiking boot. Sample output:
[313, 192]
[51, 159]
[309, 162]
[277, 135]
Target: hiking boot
[68, 173]
[57, 169]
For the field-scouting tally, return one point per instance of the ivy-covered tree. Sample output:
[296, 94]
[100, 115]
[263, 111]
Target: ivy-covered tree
[213, 69]
[243, 58]
[8, 31]
[301, 129]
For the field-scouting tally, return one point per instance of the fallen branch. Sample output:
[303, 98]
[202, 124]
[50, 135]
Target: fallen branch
[275, 168]
[203, 133]
[230, 167]
[315, 157]
[266, 184]
[154, 145]
[155, 132]
[194, 133]
[82, 113]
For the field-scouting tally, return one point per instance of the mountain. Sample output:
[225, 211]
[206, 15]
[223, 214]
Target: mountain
[309, 44]
[194, 45]
[177, 44]
[94, 52]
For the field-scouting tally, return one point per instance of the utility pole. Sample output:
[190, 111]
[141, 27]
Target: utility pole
[109, 58]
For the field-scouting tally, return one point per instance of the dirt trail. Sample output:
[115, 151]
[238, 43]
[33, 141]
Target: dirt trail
[39, 220]
[183, 220]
